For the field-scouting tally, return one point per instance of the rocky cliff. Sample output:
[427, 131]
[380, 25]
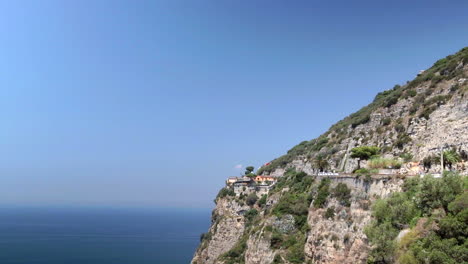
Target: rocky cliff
[313, 218]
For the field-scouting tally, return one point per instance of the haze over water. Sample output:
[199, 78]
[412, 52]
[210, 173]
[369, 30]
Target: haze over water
[100, 236]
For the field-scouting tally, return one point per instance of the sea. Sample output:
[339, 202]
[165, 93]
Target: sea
[100, 235]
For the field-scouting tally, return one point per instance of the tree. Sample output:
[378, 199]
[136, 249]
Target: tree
[321, 163]
[251, 199]
[427, 162]
[450, 157]
[249, 171]
[364, 153]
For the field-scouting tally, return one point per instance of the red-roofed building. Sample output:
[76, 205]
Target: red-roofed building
[261, 178]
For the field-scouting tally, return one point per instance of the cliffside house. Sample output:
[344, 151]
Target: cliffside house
[244, 181]
[244, 185]
[231, 180]
[266, 178]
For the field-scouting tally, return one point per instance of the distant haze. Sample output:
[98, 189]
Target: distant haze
[155, 103]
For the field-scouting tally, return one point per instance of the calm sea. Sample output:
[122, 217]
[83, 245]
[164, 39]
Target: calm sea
[100, 236]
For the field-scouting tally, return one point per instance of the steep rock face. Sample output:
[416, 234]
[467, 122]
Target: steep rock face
[420, 118]
[227, 226]
[330, 240]
[340, 239]
[258, 249]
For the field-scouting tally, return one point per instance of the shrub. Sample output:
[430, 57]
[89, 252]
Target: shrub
[391, 101]
[427, 111]
[330, 213]
[386, 121]
[205, 236]
[251, 199]
[225, 192]
[400, 128]
[360, 120]
[262, 201]
[411, 93]
[436, 208]
[407, 157]
[402, 140]
[250, 214]
[276, 239]
[295, 251]
[277, 259]
[236, 253]
[382, 237]
[436, 193]
[383, 163]
[364, 153]
[322, 194]
[342, 194]
[362, 171]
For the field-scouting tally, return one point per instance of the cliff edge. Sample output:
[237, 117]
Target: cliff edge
[317, 203]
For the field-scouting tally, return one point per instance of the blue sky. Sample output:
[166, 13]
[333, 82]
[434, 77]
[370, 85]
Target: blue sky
[154, 103]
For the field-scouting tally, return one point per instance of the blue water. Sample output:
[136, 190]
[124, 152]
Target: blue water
[100, 236]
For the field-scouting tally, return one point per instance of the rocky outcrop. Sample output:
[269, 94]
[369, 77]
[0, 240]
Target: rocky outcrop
[340, 238]
[258, 249]
[420, 118]
[227, 226]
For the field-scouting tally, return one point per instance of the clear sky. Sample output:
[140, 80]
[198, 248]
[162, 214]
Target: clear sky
[154, 103]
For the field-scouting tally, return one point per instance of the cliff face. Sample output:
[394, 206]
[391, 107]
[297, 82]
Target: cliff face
[340, 238]
[311, 218]
[418, 118]
[227, 227]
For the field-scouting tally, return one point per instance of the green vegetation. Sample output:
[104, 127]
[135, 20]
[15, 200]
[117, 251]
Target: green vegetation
[251, 199]
[226, 191]
[402, 140]
[365, 174]
[321, 162]
[407, 157]
[205, 236]
[443, 69]
[322, 193]
[410, 93]
[295, 202]
[277, 259]
[295, 253]
[330, 213]
[386, 121]
[342, 193]
[383, 163]
[236, 254]
[437, 212]
[250, 215]
[262, 201]
[433, 209]
[399, 128]
[249, 171]
[364, 153]
[451, 157]
[432, 104]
